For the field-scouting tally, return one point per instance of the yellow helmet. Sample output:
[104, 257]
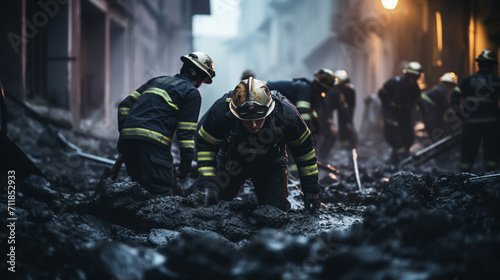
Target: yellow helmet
[341, 77]
[203, 62]
[413, 68]
[449, 77]
[251, 100]
[324, 77]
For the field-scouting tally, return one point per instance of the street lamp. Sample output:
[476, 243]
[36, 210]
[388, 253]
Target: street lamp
[389, 4]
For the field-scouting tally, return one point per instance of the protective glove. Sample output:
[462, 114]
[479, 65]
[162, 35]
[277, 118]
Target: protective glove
[183, 169]
[203, 197]
[311, 201]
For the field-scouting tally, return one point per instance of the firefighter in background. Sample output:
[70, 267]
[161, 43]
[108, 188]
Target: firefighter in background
[347, 133]
[244, 136]
[399, 95]
[436, 102]
[306, 94]
[476, 101]
[149, 117]
[338, 100]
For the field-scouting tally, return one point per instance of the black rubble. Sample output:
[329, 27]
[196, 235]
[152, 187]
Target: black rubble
[421, 223]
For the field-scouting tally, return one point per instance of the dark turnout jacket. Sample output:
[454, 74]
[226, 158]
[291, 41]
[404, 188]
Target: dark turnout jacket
[161, 107]
[283, 127]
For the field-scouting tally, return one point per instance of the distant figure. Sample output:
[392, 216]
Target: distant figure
[149, 117]
[247, 74]
[244, 136]
[475, 100]
[436, 102]
[347, 133]
[399, 95]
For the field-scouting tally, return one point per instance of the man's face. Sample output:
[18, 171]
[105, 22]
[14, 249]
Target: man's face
[412, 79]
[253, 126]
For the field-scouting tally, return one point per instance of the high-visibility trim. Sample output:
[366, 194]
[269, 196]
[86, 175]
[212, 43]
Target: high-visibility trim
[207, 171]
[329, 120]
[292, 167]
[228, 100]
[391, 122]
[186, 144]
[400, 151]
[308, 170]
[123, 111]
[428, 99]
[187, 125]
[314, 114]
[302, 138]
[206, 156]
[458, 89]
[163, 94]
[481, 120]
[135, 94]
[148, 134]
[209, 138]
[306, 116]
[478, 99]
[306, 157]
[244, 150]
[303, 104]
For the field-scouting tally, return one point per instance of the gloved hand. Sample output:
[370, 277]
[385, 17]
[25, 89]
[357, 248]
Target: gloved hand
[311, 201]
[203, 197]
[183, 169]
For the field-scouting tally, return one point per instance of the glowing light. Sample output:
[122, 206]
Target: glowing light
[389, 4]
[323, 94]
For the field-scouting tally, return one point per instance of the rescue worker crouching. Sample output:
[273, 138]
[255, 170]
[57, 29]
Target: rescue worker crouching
[399, 95]
[476, 101]
[149, 117]
[244, 136]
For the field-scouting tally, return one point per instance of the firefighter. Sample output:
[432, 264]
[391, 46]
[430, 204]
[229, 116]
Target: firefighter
[306, 94]
[475, 100]
[149, 117]
[437, 106]
[399, 95]
[244, 136]
[347, 134]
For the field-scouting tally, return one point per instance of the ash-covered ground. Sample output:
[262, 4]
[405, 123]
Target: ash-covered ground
[423, 222]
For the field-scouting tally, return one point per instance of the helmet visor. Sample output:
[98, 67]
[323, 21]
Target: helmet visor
[252, 110]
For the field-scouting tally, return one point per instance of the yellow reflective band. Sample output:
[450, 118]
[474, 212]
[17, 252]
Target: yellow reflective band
[478, 99]
[428, 99]
[292, 167]
[458, 89]
[135, 94]
[303, 104]
[306, 157]
[207, 171]
[305, 117]
[228, 100]
[163, 94]
[481, 120]
[187, 125]
[302, 138]
[314, 114]
[206, 156]
[123, 111]
[308, 170]
[329, 120]
[245, 150]
[209, 138]
[146, 133]
[401, 150]
[189, 144]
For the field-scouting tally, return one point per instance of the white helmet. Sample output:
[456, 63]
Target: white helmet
[251, 100]
[341, 77]
[413, 68]
[203, 62]
[449, 77]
